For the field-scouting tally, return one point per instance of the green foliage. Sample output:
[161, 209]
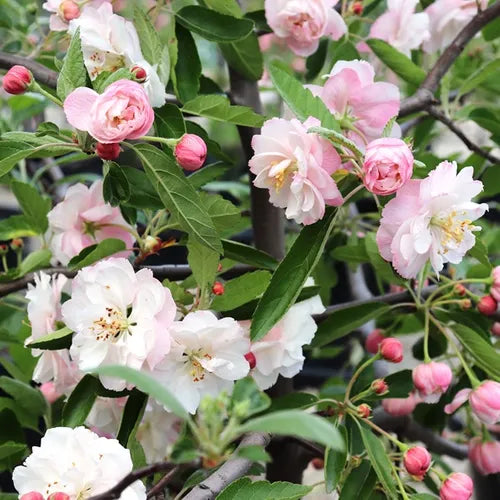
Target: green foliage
[60, 339]
[34, 206]
[151, 46]
[73, 73]
[334, 464]
[93, 253]
[188, 67]
[80, 401]
[244, 488]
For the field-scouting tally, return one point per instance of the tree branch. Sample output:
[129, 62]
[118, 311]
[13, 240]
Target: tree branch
[41, 73]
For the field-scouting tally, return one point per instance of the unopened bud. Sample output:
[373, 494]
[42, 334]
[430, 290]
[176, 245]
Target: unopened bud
[459, 289]
[380, 386]
[4, 249]
[218, 288]
[16, 244]
[139, 74]
[391, 350]
[318, 463]
[32, 495]
[465, 304]
[107, 151]
[364, 411]
[59, 495]
[17, 80]
[252, 361]
[495, 329]
[357, 8]
[191, 152]
[69, 10]
[487, 305]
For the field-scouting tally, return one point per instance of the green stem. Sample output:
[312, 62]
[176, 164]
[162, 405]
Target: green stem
[4, 263]
[357, 373]
[171, 143]
[427, 358]
[36, 88]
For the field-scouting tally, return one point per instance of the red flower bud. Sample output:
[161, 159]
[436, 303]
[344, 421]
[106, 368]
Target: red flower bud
[380, 386]
[460, 289]
[417, 461]
[357, 8]
[139, 74]
[487, 305]
[318, 463]
[107, 151]
[32, 495]
[252, 361]
[458, 486]
[391, 350]
[17, 80]
[59, 495]
[364, 411]
[465, 304]
[373, 340]
[218, 288]
[495, 329]
[16, 244]
[69, 10]
[191, 152]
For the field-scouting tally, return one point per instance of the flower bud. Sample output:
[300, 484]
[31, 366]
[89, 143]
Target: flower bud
[398, 407]
[431, 380]
[487, 305]
[485, 402]
[32, 495]
[252, 361]
[69, 11]
[4, 249]
[318, 463]
[380, 387]
[391, 350]
[387, 165]
[417, 461]
[458, 486]
[59, 495]
[373, 340]
[495, 287]
[357, 8]
[151, 244]
[139, 74]
[495, 329]
[48, 389]
[364, 411]
[459, 289]
[107, 151]
[465, 304]
[218, 288]
[191, 152]
[16, 244]
[17, 80]
[485, 456]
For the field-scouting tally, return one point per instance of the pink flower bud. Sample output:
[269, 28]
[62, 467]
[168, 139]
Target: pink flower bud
[357, 8]
[388, 164]
[32, 495]
[487, 305]
[191, 152]
[252, 361]
[380, 386]
[218, 288]
[69, 10]
[373, 340]
[108, 151]
[485, 456]
[417, 461]
[17, 80]
[485, 402]
[48, 389]
[318, 463]
[458, 486]
[495, 287]
[139, 74]
[391, 350]
[398, 407]
[364, 411]
[59, 495]
[495, 329]
[431, 380]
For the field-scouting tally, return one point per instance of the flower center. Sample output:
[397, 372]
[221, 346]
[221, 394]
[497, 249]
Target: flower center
[90, 228]
[196, 369]
[280, 176]
[111, 325]
[453, 228]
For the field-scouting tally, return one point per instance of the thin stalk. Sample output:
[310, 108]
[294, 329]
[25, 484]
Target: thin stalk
[357, 373]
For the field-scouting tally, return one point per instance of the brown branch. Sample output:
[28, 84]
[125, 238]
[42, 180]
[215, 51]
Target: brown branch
[439, 115]
[424, 96]
[160, 485]
[41, 73]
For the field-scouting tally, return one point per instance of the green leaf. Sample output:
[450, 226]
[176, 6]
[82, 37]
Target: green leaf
[486, 119]
[485, 356]
[241, 290]
[359, 480]
[402, 65]
[492, 30]
[244, 56]
[178, 195]
[219, 108]
[208, 173]
[80, 401]
[60, 339]
[116, 187]
[27, 397]
[179, 294]
[229, 7]
[344, 321]
[225, 215]
[383, 269]
[93, 253]
[203, 261]
[16, 226]
[132, 416]
[316, 61]
[334, 464]
[480, 253]
[292, 401]
[9, 448]
[212, 25]
[145, 383]
[105, 79]
[144, 194]
[151, 45]
[188, 67]
[169, 122]
[291, 274]
[299, 99]
[245, 489]
[35, 207]
[246, 254]
[35, 260]
[478, 77]
[400, 384]
[73, 73]
[246, 393]
[298, 423]
[254, 453]
[379, 460]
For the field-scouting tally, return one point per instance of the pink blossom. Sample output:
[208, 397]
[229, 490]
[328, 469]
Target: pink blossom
[357, 101]
[83, 219]
[63, 11]
[121, 112]
[447, 18]
[303, 22]
[431, 380]
[296, 167]
[373, 340]
[485, 456]
[495, 287]
[391, 350]
[458, 486]
[401, 27]
[485, 402]
[398, 407]
[388, 164]
[417, 461]
[48, 389]
[431, 219]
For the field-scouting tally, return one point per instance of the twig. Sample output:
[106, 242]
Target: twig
[130, 478]
[160, 485]
[41, 73]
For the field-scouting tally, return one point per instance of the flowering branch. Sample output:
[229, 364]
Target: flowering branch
[41, 73]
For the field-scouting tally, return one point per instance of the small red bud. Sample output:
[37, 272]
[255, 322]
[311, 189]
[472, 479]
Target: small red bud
[460, 289]
[16, 244]
[32, 495]
[417, 461]
[191, 152]
[487, 305]
[219, 268]
[364, 411]
[495, 329]
[17, 80]
[357, 8]
[139, 74]
[318, 463]
[373, 340]
[465, 304]
[391, 350]
[69, 10]
[107, 151]
[59, 495]
[252, 361]
[218, 288]
[380, 386]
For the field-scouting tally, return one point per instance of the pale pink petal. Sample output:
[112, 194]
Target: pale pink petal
[77, 107]
[459, 399]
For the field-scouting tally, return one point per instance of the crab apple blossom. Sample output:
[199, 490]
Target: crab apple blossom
[82, 219]
[296, 167]
[373, 340]
[431, 380]
[398, 407]
[487, 305]
[485, 456]
[121, 112]
[417, 461]
[78, 463]
[387, 165]
[301, 23]
[447, 18]
[119, 317]
[362, 105]
[64, 11]
[279, 352]
[495, 286]
[401, 26]
[391, 350]
[431, 219]
[17, 80]
[457, 486]
[191, 152]
[206, 357]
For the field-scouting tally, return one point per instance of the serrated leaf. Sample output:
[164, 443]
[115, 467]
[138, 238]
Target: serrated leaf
[254, 453]
[34, 206]
[10, 448]
[245, 489]
[105, 79]
[151, 46]
[60, 339]
[245, 57]
[188, 67]
[169, 122]
[334, 464]
[35, 260]
[80, 401]
[225, 215]
[94, 253]
[203, 261]
[116, 187]
[208, 173]
[73, 73]
[144, 195]
[16, 226]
